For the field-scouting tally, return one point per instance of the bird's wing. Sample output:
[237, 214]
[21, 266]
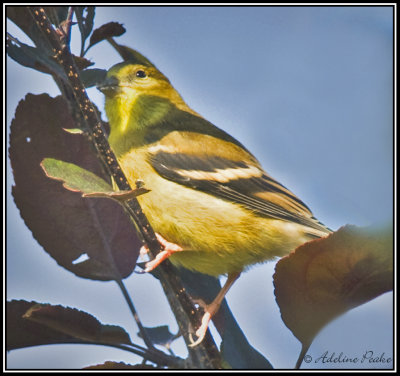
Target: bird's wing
[200, 163]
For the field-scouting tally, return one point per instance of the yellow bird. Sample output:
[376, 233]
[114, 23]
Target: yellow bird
[213, 207]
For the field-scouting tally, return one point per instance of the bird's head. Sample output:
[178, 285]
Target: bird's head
[130, 80]
[137, 96]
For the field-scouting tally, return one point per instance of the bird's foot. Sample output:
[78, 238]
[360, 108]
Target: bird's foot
[169, 249]
[211, 309]
[209, 312]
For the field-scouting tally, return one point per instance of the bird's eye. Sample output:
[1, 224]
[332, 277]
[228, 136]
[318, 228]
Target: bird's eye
[141, 74]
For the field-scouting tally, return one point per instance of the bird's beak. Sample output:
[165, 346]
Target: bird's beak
[109, 86]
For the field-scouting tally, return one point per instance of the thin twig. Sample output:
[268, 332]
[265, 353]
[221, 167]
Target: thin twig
[135, 315]
[158, 358]
[69, 24]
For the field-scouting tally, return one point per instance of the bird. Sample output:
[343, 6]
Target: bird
[214, 209]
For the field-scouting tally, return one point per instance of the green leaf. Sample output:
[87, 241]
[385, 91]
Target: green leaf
[325, 278]
[74, 130]
[74, 177]
[65, 224]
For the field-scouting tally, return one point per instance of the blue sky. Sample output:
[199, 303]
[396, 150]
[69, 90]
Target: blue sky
[309, 91]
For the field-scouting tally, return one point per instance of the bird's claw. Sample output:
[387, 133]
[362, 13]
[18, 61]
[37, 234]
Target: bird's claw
[169, 249]
[201, 332]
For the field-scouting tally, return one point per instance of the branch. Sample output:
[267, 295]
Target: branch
[206, 354]
[135, 315]
[152, 355]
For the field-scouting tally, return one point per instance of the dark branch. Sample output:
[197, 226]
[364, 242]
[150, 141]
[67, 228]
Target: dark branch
[205, 354]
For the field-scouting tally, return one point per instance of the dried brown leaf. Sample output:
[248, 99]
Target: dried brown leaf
[326, 277]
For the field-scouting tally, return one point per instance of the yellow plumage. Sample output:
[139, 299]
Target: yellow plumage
[219, 235]
[208, 193]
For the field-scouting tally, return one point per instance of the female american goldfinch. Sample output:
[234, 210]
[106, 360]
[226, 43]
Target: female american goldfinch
[209, 196]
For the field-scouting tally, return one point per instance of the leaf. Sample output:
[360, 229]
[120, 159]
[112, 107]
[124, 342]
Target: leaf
[235, 348]
[237, 353]
[85, 23]
[91, 77]
[21, 16]
[121, 365]
[81, 62]
[160, 335]
[324, 278]
[75, 323]
[56, 14]
[24, 333]
[77, 179]
[73, 130]
[65, 224]
[34, 324]
[32, 57]
[74, 177]
[108, 30]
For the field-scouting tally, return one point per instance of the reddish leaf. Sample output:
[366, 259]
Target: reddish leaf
[82, 63]
[77, 324]
[22, 17]
[24, 333]
[108, 30]
[326, 277]
[65, 224]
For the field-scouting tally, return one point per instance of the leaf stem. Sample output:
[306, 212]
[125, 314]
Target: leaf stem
[157, 357]
[304, 349]
[135, 315]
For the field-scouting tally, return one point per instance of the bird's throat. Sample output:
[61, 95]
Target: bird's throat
[130, 116]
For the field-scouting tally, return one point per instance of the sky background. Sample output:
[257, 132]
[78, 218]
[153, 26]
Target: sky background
[309, 91]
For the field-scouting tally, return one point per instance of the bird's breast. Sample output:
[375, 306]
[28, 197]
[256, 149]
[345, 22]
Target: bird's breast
[218, 236]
